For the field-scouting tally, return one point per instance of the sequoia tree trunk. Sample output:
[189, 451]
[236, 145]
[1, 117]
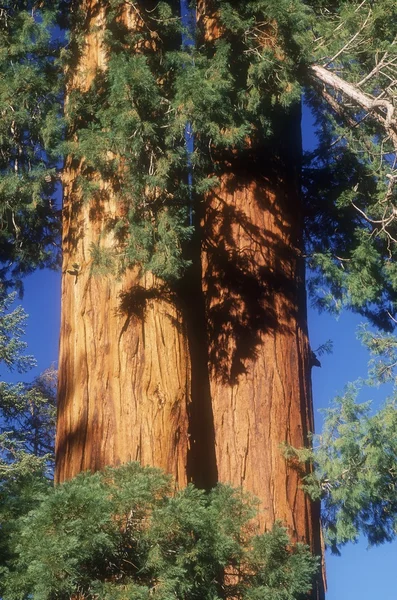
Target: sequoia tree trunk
[259, 354]
[253, 281]
[255, 300]
[208, 382]
[124, 371]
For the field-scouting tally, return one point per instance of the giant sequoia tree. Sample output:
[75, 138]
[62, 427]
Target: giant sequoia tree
[184, 341]
[198, 359]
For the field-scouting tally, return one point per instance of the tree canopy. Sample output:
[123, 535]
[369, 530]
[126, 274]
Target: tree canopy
[355, 475]
[30, 130]
[129, 126]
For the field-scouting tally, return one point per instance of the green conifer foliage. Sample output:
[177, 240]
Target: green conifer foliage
[383, 349]
[130, 125]
[122, 533]
[12, 330]
[26, 428]
[22, 485]
[130, 128]
[350, 180]
[30, 130]
[27, 411]
[28, 414]
[356, 471]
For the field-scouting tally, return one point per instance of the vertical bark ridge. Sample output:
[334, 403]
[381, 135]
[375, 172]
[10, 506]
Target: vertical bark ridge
[255, 353]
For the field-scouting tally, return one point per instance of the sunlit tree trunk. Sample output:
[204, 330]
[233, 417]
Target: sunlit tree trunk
[124, 372]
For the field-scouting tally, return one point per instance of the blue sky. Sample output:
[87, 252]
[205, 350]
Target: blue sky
[359, 573]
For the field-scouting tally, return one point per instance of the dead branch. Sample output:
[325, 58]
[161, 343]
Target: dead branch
[373, 106]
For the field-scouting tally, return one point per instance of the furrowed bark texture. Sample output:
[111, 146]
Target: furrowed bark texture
[258, 347]
[124, 373]
[208, 386]
[259, 355]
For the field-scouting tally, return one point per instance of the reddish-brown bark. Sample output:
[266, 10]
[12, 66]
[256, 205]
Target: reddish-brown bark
[258, 348]
[209, 381]
[124, 373]
[255, 304]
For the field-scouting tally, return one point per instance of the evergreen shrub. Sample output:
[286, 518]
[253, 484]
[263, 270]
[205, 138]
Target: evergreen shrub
[126, 533]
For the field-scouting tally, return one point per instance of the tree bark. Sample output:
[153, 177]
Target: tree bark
[255, 299]
[207, 382]
[124, 371]
[258, 348]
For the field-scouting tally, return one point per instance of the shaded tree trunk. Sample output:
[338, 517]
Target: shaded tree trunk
[206, 382]
[253, 281]
[257, 339]
[258, 349]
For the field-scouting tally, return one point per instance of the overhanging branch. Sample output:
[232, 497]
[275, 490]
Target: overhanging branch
[373, 106]
[383, 111]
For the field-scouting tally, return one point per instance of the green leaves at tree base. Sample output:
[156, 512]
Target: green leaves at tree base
[124, 533]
